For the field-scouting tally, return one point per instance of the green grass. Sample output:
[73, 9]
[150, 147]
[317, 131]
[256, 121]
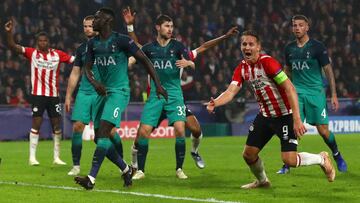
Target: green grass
[225, 172]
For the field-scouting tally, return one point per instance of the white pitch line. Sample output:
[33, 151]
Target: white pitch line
[119, 192]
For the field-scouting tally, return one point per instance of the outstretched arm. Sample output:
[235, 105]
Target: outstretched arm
[223, 98]
[211, 43]
[73, 80]
[330, 76]
[9, 26]
[140, 56]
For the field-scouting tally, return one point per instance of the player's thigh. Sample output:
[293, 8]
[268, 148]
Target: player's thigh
[82, 107]
[152, 111]
[38, 105]
[284, 129]
[53, 107]
[259, 132]
[316, 109]
[97, 108]
[175, 110]
[301, 101]
[115, 104]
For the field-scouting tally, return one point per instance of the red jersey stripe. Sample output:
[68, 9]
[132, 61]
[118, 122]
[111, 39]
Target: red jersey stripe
[273, 101]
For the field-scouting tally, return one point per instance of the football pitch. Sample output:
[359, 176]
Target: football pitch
[220, 181]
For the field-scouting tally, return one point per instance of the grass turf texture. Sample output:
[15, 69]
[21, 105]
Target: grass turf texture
[225, 172]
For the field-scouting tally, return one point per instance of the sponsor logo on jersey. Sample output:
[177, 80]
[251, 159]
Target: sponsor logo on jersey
[163, 64]
[104, 61]
[300, 65]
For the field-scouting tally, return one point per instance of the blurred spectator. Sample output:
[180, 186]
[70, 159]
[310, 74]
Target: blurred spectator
[336, 23]
[19, 100]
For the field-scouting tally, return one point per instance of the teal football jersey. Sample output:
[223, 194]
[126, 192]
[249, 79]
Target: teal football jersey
[110, 56]
[164, 59]
[306, 65]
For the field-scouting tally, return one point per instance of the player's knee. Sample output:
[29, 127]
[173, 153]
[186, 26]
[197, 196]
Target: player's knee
[249, 157]
[290, 161]
[323, 130]
[143, 132]
[78, 127]
[196, 132]
[179, 132]
[57, 132]
[113, 132]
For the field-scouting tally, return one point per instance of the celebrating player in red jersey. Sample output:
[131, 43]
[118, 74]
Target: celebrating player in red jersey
[45, 64]
[279, 112]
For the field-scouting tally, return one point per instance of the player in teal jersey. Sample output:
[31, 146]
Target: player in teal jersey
[306, 58]
[109, 52]
[85, 98]
[169, 57]
[191, 121]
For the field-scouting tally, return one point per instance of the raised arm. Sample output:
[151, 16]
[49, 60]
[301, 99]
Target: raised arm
[129, 18]
[9, 26]
[142, 58]
[73, 80]
[211, 43]
[330, 76]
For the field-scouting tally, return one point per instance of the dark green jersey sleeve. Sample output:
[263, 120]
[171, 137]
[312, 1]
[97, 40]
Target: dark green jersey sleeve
[79, 55]
[322, 54]
[182, 50]
[90, 55]
[127, 44]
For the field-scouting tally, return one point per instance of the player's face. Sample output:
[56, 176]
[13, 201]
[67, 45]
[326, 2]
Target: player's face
[300, 28]
[99, 21]
[165, 30]
[250, 48]
[43, 43]
[88, 28]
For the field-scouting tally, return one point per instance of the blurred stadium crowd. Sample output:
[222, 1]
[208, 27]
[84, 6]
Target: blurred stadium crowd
[335, 22]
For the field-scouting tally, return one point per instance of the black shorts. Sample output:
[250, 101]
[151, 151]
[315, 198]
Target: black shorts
[163, 115]
[51, 104]
[263, 128]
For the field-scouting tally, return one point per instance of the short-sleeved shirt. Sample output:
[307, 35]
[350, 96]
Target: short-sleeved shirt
[306, 65]
[85, 86]
[164, 59]
[45, 70]
[272, 99]
[111, 59]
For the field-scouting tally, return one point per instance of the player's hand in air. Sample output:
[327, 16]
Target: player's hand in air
[67, 104]
[183, 63]
[299, 128]
[334, 103]
[129, 16]
[100, 88]
[233, 31]
[161, 91]
[9, 25]
[210, 106]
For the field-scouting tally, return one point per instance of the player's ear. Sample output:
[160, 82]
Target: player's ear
[157, 27]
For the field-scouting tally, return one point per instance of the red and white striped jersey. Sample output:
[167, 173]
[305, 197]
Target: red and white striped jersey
[272, 99]
[45, 70]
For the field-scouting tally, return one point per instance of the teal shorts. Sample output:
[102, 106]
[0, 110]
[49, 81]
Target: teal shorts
[82, 110]
[174, 108]
[110, 107]
[313, 108]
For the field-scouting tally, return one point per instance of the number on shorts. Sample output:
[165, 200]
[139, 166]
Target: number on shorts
[323, 113]
[285, 130]
[57, 108]
[181, 110]
[116, 112]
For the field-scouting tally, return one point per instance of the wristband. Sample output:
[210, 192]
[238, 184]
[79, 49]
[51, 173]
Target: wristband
[130, 28]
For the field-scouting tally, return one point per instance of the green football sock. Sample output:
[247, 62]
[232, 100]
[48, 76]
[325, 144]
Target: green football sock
[116, 140]
[76, 146]
[143, 147]
[180, 151]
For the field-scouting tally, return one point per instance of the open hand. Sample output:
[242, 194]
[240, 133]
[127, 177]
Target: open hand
[129, 16]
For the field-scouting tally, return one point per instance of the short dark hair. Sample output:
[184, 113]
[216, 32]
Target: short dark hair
[162, 18]
[300, 17]
[89, 17]
[42, 33]
[251, 33]
[108, 11]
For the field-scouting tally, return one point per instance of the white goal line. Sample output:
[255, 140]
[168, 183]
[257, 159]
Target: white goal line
[118, 192]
